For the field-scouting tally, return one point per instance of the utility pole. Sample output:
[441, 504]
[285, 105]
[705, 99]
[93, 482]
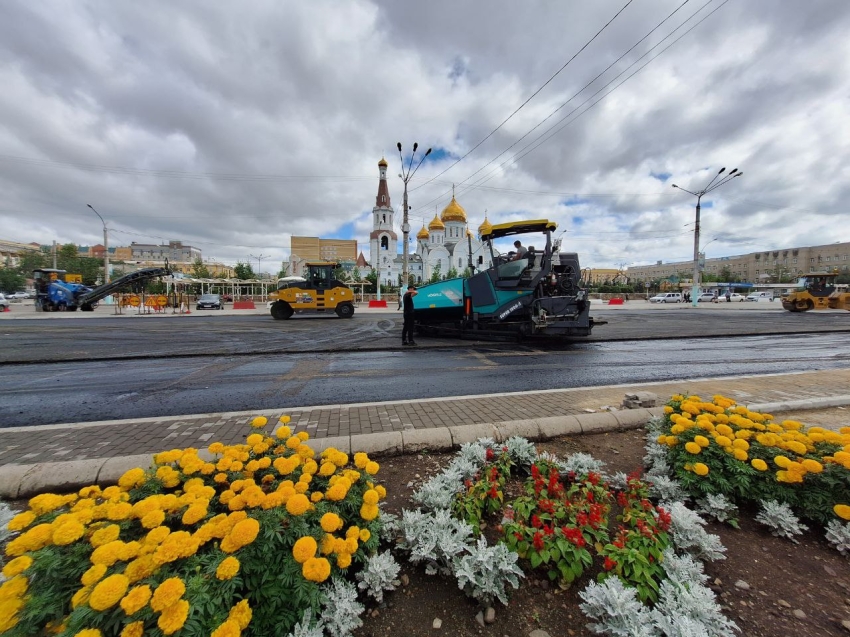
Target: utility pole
[405, 226]
[54, 254]
[105, 247]
[259, 259]
[699, 195]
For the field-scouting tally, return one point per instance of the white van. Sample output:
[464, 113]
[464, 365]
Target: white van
[668, 297]
[760, 296]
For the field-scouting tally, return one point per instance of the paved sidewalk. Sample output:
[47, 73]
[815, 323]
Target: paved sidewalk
[109, 439]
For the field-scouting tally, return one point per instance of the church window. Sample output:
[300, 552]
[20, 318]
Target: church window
[384, 218]
[385, 243]
[480, 260]
[459, 262]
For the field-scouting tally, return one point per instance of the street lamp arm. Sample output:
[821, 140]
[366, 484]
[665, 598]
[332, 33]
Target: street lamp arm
[723, 182]
[420, 162]
[695, 194]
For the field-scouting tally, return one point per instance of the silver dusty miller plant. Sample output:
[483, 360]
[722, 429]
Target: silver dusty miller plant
[781, 520]
[666, 489]
[340, 609]
[485, 571]
[6, 515]
[616, 610]
[308, 626]
[688, 534]
[379, 575]
[435, 538]
[439, 491]
[838, 535]
[581, 464]
[521, 452]
[720, 508]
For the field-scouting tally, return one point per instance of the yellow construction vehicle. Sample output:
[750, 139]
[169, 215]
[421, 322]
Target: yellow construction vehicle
[316, 293]
[817, 291]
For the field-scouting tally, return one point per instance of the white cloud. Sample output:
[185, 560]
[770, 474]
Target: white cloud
[233, 127]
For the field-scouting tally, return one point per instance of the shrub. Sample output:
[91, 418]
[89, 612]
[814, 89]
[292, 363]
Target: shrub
[485, 572]
[781, 520]
[253, 536]
[719, 447]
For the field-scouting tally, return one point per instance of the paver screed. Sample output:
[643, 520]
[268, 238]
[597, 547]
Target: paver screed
[80, 441]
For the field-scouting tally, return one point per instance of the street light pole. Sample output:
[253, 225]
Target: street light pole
[699, 195]
[105, 247]
[259, 258]
[405, 226]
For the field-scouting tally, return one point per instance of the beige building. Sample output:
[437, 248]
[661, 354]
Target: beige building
[11, 251]
[304, 249]
[770, 266]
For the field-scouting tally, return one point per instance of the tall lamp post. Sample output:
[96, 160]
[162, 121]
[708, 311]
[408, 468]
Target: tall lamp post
[259, 258]
[105, 246]
[405, 226]
[711, 186]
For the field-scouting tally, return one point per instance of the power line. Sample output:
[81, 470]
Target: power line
[490, 134]
[552, 132]
[649, 33]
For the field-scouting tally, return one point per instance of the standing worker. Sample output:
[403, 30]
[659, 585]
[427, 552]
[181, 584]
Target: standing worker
[407, 328]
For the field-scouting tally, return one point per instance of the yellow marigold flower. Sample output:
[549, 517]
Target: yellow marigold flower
[369, 512]
[759, 464]
[676, 429]
[244, 532]
[353, 531]
[304, 549]
[723, 441]
[331, 522]
[120, 511]
[724, 430]
[316, 569]
[842, 511]
[216, 448]
[93, 575]
[254, 439]
[343, 560]
[153, 519]
[372, 468]
[167, 594]
[690, 447]
[273, 500]
[303, 436]
[21, 521]
[136, 599]
[228, 568]
[360, 460]
[172, 618]
[88, 632]
[302, 487]
[298, 504]
[812, 466]
[157, 535]
[662, 439]
[293, 442]
[17, 566]
[667, 410]
[107, 554]
[136, 629]
[797, 447]
[259, 421]
[109, 592]
[132, 478]
[382, 491]
[316, 496]
[33, 539]
[702, 441]
[740, 454]
[140, 568]
[782, 461]
[241, 613]
[740, 443]
[228, 629]
[327, 545]
[671, 441]
[45, 503]
[327, 469]
[700, 469]
[194, 514]
[365, 534]
[283, 432]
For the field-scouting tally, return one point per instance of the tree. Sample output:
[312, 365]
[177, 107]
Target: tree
[372, 277]
[284, 271]
[199, 270]
[340, 274]
[355, 275]
[243, 271]
[452, 273]
[435, 274]
[11, 280]
[33, 260]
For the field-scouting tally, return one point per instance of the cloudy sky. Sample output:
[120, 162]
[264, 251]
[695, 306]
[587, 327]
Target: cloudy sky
[232, 126]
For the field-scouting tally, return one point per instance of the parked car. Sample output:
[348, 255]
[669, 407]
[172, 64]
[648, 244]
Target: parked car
[4, 303]
[667, 297]
[18, 296]
[760, 296]
[734, 296]
[210, 302]
[706, 297]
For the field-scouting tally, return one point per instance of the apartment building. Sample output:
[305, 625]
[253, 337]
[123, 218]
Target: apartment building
[305, 249]
[784, 264]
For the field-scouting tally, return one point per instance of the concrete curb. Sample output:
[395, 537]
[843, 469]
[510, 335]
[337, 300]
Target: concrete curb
[807, 403]
[23, 481]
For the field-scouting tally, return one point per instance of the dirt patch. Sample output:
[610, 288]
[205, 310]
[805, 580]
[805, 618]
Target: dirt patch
[780, 578]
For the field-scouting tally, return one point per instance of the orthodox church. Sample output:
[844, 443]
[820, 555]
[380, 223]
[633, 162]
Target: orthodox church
[443, 245]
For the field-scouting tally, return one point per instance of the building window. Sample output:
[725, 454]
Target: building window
[385, 243]
[794, 261]
[827, 258]
[811, 260]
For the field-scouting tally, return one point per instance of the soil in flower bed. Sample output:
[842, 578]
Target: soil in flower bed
[769, 586]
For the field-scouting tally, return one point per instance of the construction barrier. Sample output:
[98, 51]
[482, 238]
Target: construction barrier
[381, 303]
[615, 301]
[244, 305]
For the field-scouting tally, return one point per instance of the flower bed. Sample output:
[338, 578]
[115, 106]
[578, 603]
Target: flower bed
[719, 447]
[262, 538]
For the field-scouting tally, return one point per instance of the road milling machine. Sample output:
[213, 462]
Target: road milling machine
[536, 296]
[317, 293]
[817, 291]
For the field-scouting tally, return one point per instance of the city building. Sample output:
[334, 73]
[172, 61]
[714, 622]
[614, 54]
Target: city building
[307, 249]
[11, 251]
[174, 251]
[442, 246]
[769, 266]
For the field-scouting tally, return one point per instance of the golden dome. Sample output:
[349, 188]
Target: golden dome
[436, 224]
[453, 212]
[485, 227]
[383, 162]
[423, 233]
